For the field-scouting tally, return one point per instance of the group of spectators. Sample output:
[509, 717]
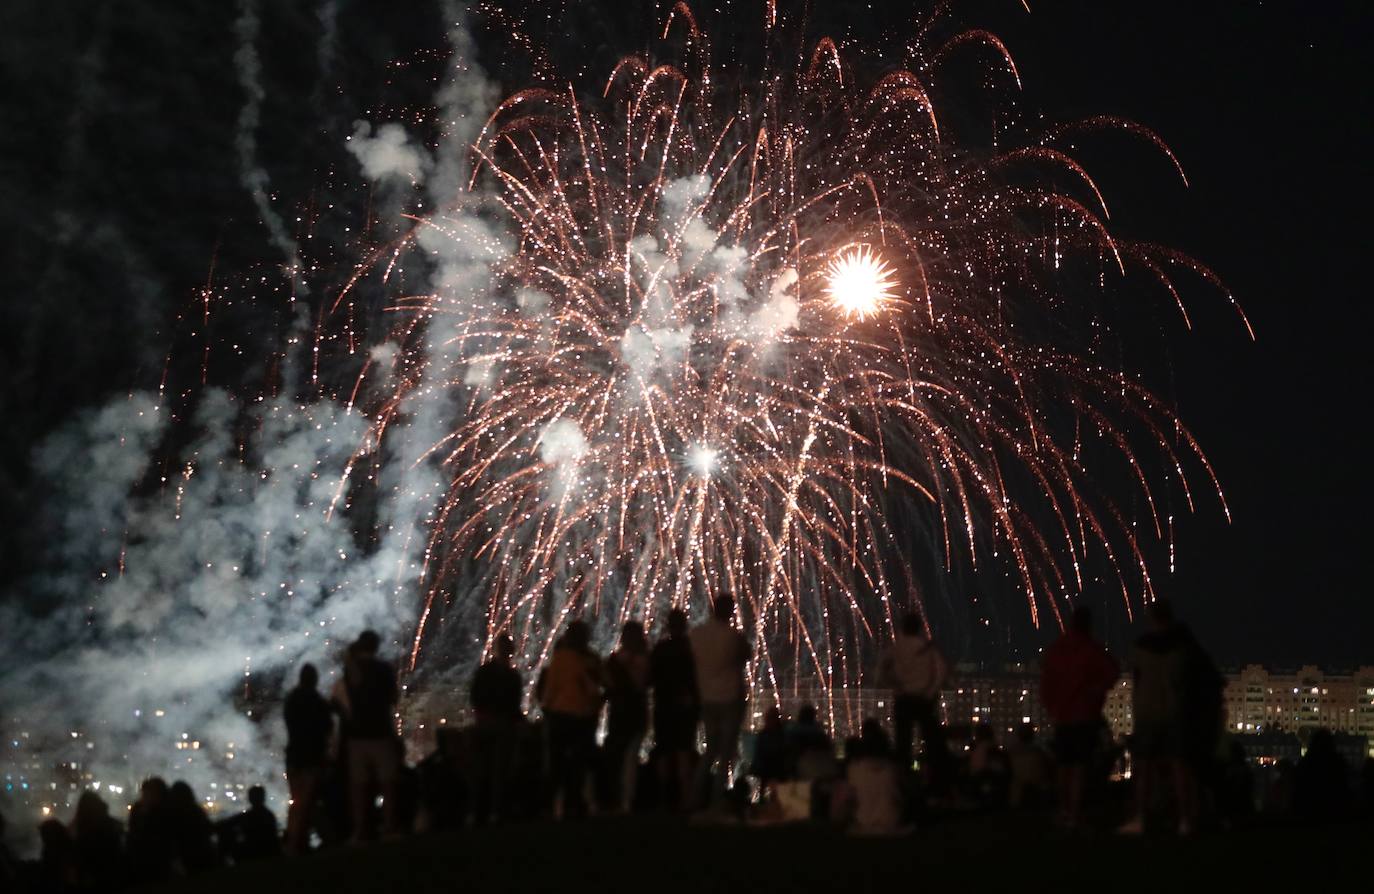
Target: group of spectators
[349, 780]
[169, 835]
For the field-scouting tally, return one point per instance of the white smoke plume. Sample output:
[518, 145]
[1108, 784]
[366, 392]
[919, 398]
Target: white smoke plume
[562, 442]
[780, 312]
[386, 152]
[193, 593]
[193, 567]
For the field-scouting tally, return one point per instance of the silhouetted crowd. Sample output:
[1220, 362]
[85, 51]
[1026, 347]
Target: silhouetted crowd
[687, 695]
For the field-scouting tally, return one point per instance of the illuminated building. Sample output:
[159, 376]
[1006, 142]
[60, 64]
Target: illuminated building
[1308, 698]
[1259, 700]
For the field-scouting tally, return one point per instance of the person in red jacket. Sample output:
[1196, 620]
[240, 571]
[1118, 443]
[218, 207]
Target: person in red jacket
[1077, 674]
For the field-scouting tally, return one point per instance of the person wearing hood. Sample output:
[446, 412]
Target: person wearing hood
[1176, 702]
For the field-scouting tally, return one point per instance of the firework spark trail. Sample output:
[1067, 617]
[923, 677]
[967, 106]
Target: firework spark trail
[738, 314]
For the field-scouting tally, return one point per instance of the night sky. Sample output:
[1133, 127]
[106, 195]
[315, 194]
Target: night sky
[121, 191]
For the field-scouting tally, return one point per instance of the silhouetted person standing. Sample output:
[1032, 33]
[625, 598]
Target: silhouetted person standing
[570, 692]
[721, 654]
[191, 829]
[57, 868]
[673, 676]
[309, 723]
[1176, 707]
[1321, 782]
[495, 696]
[151, 844]
[627, 717]
[1076, 676]
[9, 866]
[916, 670]
[374, 753]
[98, 844]
[1367, 787]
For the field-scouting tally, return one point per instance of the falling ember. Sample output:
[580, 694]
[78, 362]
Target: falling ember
[858, 281]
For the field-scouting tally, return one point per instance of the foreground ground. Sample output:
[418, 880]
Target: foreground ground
[966, 853]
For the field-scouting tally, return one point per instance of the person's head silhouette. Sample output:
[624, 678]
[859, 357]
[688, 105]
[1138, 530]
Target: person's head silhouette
[1162, 614]
[873, 741]
[578, 636]
[677, 623]
[368, 644]
[632, 636]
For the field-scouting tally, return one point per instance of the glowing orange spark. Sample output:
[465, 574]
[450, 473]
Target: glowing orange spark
[859, 281]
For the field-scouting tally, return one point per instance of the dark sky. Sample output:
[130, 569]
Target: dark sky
[118, 167]
[1268, 107]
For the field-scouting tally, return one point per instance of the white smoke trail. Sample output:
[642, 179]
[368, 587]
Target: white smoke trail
[329, 37]
[251, 173]
[462, 247]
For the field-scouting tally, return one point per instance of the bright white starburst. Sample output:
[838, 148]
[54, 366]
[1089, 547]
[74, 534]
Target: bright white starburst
[859, 281]
[703, 459]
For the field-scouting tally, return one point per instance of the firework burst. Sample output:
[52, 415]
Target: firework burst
[749, 332]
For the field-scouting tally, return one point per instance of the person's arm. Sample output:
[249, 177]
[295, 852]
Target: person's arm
[1046, 683]
[475, 687]
[328, 728]
[339, 700]
[886, 674]
[597, 679]
[941, 671]
[693, 684]
[1111, 670]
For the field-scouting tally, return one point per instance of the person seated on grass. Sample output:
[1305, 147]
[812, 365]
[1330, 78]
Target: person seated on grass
[870, 798]
[1031, 770]
[769, 764]
[252, 834]
[988, 770]
[806, 735]
[192, 832]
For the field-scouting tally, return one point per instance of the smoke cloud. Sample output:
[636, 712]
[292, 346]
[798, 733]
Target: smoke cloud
[193, 564]
[387, 152]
